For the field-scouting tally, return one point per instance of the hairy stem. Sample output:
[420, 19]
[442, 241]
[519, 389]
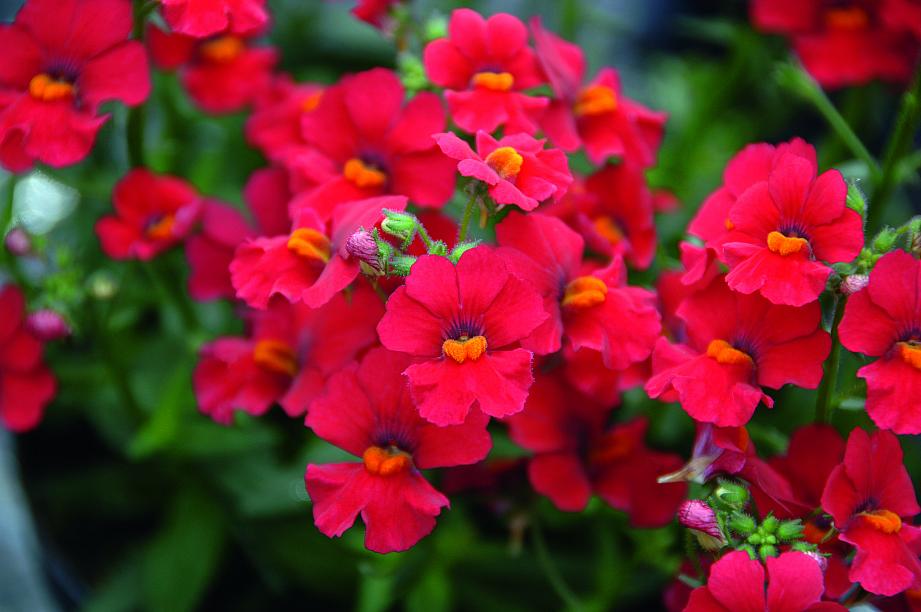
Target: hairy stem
[468, 213]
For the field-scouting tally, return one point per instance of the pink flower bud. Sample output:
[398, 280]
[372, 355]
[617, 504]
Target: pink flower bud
[700, 517]
[854, 283]
[18, 242]
[48, 325]
[362, 246]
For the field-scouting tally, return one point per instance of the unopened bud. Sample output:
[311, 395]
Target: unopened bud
[770, 524]
[767, 550]
[18, 242]
[731, 494]
[362, 246]
[47, 325]
[460, 249]
[700, 518]
[742, 524]
[884, 240]
[399, 224]
[790, 530]
[401, 264]
[854, 283]
[855, 199]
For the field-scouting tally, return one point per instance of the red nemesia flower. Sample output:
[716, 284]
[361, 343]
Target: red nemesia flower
[462, 322]
[516, 169]
[26, 384]
[813, 453]
[287, 357]
[374, 12]
[869, 496]
[274, 127]
[784, 227]
[884, 320]
[61, 60]
[736, 345]
[576, 455]
[152, 213]
[311, 264]
[613, 211]
[222, 74]
[367, 411]
[846, 43]
[585, 370]
[596, 115]
[374, 144]
[736, 583]
[201, 19]
[210, 252]
[596, 310]
[485, 64]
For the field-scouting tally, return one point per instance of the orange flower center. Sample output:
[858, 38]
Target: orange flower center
[495, 81]
[608, 228]
[911, 354]
[310, 244]
[161, 228]
[464, 348]
[727, 354]
[222, 49]
[275, 356]
[362, 175]
[47, 89]
[883, 520]
[848, 18]
[595, 100]
[584, 292]
[613, 446]
[729, 225]
[785, 245]
[506, 161]
[386, 461]
[311, 102]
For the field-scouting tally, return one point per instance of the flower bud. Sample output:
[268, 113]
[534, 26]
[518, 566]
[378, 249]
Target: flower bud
[767, 550]
[18, 242]
[884, 240]
[460, 249]
[401, 264]
[399, 224]
[742, 524]
[731, 494]
[854, 283]
[362, 246]
[770, 524]
[855, 199]
[47, 325]
[700, 518]
[790, 530]
[749, 549]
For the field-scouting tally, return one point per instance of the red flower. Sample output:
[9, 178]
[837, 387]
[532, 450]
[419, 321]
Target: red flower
[576, 455]
[26, 384]
[884, 320]
[785, 225]
[374, 12]
[846, 43]
[736, 345]
[462, 323]
[516, 169]
[869, 496]
[367, 411]
[613, 210]
[202, 19]
[736, 583]
[374, 144]
[585, 370]
[152, 213]
[274, 126]
[596, 310]
[485, 64]
[287, 357]
[813, 453]
[61, 60]
[596, 115]
[222, 74]
[210, 252]
[311, 264]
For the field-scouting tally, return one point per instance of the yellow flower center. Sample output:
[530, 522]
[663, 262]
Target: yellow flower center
[310, 244]
[222, 49]
[883, 520]
[386, 461]
[785, 245]
[911, 354]
[495, 81]
[584, 292]
[464, 348]
[506, 161]
[595, 100]
[275, 356]
[363, 175]
[47, 89]
[727, 354]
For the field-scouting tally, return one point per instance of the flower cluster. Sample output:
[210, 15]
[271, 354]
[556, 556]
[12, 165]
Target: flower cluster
[421, 270]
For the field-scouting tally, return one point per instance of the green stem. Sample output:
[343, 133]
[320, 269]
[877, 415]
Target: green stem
[424, 236]
[468, 213]
[899, 142]
[6, 220]
[134, 128]
[114, 364]
[173, 294]
[823, 405]
[550, 570]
